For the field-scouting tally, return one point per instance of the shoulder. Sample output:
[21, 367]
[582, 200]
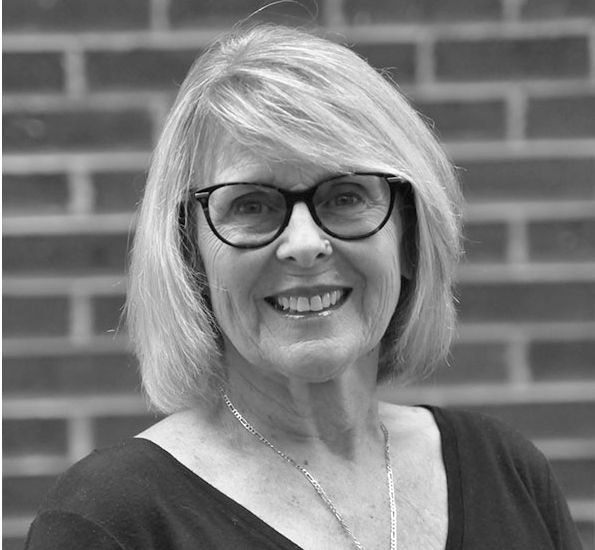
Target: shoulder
[106, 500]
[488, 449]
[477, 442]
[477, 432]
[57, 530]
[501, 487]
[109, 479]
[503, 476]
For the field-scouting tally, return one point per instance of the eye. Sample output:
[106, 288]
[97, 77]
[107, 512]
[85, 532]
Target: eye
[343, 196]
[251, 204]
[346, 199]
[256, 203]
[245, 206]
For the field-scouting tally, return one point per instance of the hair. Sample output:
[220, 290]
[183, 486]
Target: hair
[286, 95]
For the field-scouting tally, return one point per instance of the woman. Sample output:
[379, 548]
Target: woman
[295, 248]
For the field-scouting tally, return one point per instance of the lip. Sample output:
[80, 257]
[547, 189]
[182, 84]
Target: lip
[309, 301]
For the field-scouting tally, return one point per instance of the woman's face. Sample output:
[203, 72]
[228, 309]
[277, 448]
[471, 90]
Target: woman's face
[349, 289]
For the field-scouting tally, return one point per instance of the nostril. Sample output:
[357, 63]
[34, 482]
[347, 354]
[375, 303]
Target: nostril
[304, 251]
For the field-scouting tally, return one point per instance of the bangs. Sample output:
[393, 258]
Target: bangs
[284, 115]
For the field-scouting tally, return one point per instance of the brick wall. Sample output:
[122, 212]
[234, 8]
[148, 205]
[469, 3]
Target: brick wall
[510, 87]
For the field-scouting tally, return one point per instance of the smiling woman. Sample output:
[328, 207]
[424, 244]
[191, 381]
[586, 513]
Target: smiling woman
[269, 100]
[296, 247]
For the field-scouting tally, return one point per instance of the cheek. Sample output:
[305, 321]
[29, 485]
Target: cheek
[213, 258]
[230, 275]
[216, 261]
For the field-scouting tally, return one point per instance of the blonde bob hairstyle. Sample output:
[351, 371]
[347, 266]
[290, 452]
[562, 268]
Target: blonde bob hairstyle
[285, 95]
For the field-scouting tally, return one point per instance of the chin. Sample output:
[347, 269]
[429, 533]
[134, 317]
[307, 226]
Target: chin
[310, 362]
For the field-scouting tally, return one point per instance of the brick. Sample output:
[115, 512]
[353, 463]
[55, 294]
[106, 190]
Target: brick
[549, 179]
[143, 68]
[23, 494]
[466, 120]
[473, 363]
[523, 58]
[34, 193]
[107, 314]
[32, 71]
[70, 375]
[77, 130]
[397, 60]
[555, 9]
[567, 240]
[40, 15]
[525, 302]
[66, 253]
[118, 191]
[35, 316]
[561, 360]
[571, 474]
[561, 117]
[546, 420]
[382, 11]
[34, 436]
[184, 13]
[109, 430]
[485, 242]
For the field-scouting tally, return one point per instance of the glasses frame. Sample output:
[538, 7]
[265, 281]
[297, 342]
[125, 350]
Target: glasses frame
[291, 199]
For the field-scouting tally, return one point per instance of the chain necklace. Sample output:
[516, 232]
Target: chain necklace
[318, 488]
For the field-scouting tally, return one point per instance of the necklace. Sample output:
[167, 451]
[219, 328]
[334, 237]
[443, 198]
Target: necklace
[318, 488]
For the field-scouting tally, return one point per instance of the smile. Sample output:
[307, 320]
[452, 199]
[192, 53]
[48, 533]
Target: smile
[316, 303]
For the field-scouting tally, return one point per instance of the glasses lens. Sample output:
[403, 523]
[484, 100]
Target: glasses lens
[246, 214]
[354, 205]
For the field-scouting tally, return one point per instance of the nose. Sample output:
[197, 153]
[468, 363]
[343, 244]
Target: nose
[303, 242]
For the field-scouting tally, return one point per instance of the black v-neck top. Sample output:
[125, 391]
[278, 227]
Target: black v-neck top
[137, 496]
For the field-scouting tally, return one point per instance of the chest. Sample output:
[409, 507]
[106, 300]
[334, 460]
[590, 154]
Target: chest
[282, 501]
[286, 501]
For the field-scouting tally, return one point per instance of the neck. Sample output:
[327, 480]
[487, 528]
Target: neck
[338, 416]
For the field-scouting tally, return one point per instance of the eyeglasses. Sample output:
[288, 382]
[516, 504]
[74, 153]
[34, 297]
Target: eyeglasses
[252, 215]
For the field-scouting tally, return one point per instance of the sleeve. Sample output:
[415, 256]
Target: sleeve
[58, 530]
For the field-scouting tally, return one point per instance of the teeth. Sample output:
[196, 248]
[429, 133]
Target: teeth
[316, 303]
[303, 304]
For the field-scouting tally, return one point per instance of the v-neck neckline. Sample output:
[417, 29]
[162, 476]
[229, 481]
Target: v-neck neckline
[450, 458]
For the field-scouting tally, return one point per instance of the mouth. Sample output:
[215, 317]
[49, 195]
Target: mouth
[300, 304]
